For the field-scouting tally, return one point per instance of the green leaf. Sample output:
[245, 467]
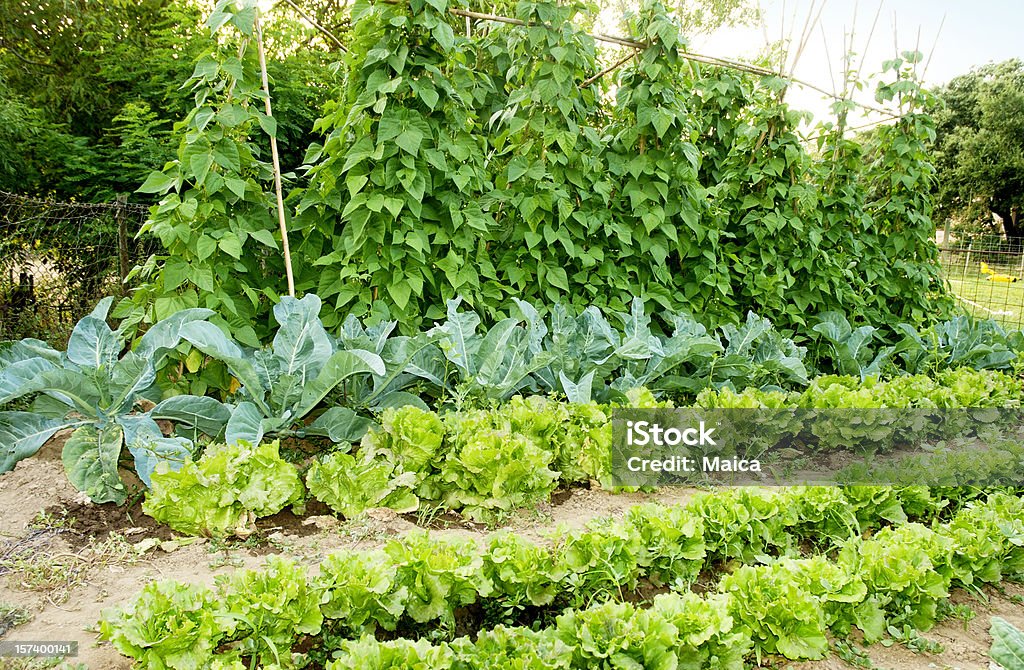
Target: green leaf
[244, 20]
[157, 182]
[339, 367]
[410, 140]
[22, 434]
[208, 415]
[200, 164]
[235, 185]
[150, 448]
[92, 343]
[90, 459]
[264, 237]
[340, 424]
[231, 245]
[400, 292]
[517, 167]
[268, 124]
[205, 246]
[1007, 645]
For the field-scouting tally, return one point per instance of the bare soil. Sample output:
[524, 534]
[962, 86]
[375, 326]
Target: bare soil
[78, 559]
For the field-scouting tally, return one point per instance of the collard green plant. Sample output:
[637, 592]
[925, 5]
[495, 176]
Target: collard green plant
[98, 391]
[850, 349]
[1007, 644]
[284, 382]
[957, 342]
[758, 355]
[400, 354]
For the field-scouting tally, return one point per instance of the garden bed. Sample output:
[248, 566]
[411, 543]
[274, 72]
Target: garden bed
[79, 567]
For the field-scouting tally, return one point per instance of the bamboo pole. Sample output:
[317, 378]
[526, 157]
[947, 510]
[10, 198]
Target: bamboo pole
[279, 189]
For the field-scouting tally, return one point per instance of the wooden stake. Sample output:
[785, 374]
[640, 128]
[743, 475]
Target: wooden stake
[276, 163]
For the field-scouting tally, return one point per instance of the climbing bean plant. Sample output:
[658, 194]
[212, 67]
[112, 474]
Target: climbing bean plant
[493, 161]
[215, 218]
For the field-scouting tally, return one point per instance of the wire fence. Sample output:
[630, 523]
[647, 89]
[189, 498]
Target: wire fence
[986, 273]
[57, 259]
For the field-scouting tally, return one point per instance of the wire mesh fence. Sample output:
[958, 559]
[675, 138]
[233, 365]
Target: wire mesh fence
[986, 273]
[58, 258]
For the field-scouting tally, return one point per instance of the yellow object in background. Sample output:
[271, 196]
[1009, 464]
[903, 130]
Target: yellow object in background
[995, 276]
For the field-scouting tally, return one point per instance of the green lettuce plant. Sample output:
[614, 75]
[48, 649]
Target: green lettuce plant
[265, 611]
[358, 588]
[490, 468]
[350, 484]
[169, 626]
[225, 491]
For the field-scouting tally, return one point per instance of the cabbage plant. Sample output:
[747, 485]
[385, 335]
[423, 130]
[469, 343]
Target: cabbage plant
[283, 383]
[101, 393]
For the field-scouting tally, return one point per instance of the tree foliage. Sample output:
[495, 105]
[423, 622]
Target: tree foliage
[90, 89]
[979, 146]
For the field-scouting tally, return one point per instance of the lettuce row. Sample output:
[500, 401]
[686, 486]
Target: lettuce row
[784, 606]
[485, 462]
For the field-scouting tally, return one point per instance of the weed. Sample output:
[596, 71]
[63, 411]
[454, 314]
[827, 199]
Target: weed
[59, 573]
[963, 611]
[853, 655]
[912, 640]
[11, 616]
[48, 521]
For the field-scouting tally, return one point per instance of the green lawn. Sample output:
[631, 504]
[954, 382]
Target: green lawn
[986, 299]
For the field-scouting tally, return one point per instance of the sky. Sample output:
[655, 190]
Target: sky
[973, 32]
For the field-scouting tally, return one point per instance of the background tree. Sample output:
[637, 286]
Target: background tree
[90, 90]
[979, 146]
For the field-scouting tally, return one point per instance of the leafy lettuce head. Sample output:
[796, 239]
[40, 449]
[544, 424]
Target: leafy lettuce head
[412, 435]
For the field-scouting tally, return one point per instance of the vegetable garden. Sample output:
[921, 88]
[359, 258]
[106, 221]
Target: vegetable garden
[497, 245]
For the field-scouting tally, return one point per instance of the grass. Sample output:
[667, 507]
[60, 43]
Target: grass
[58, 573]
[1001, 301]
